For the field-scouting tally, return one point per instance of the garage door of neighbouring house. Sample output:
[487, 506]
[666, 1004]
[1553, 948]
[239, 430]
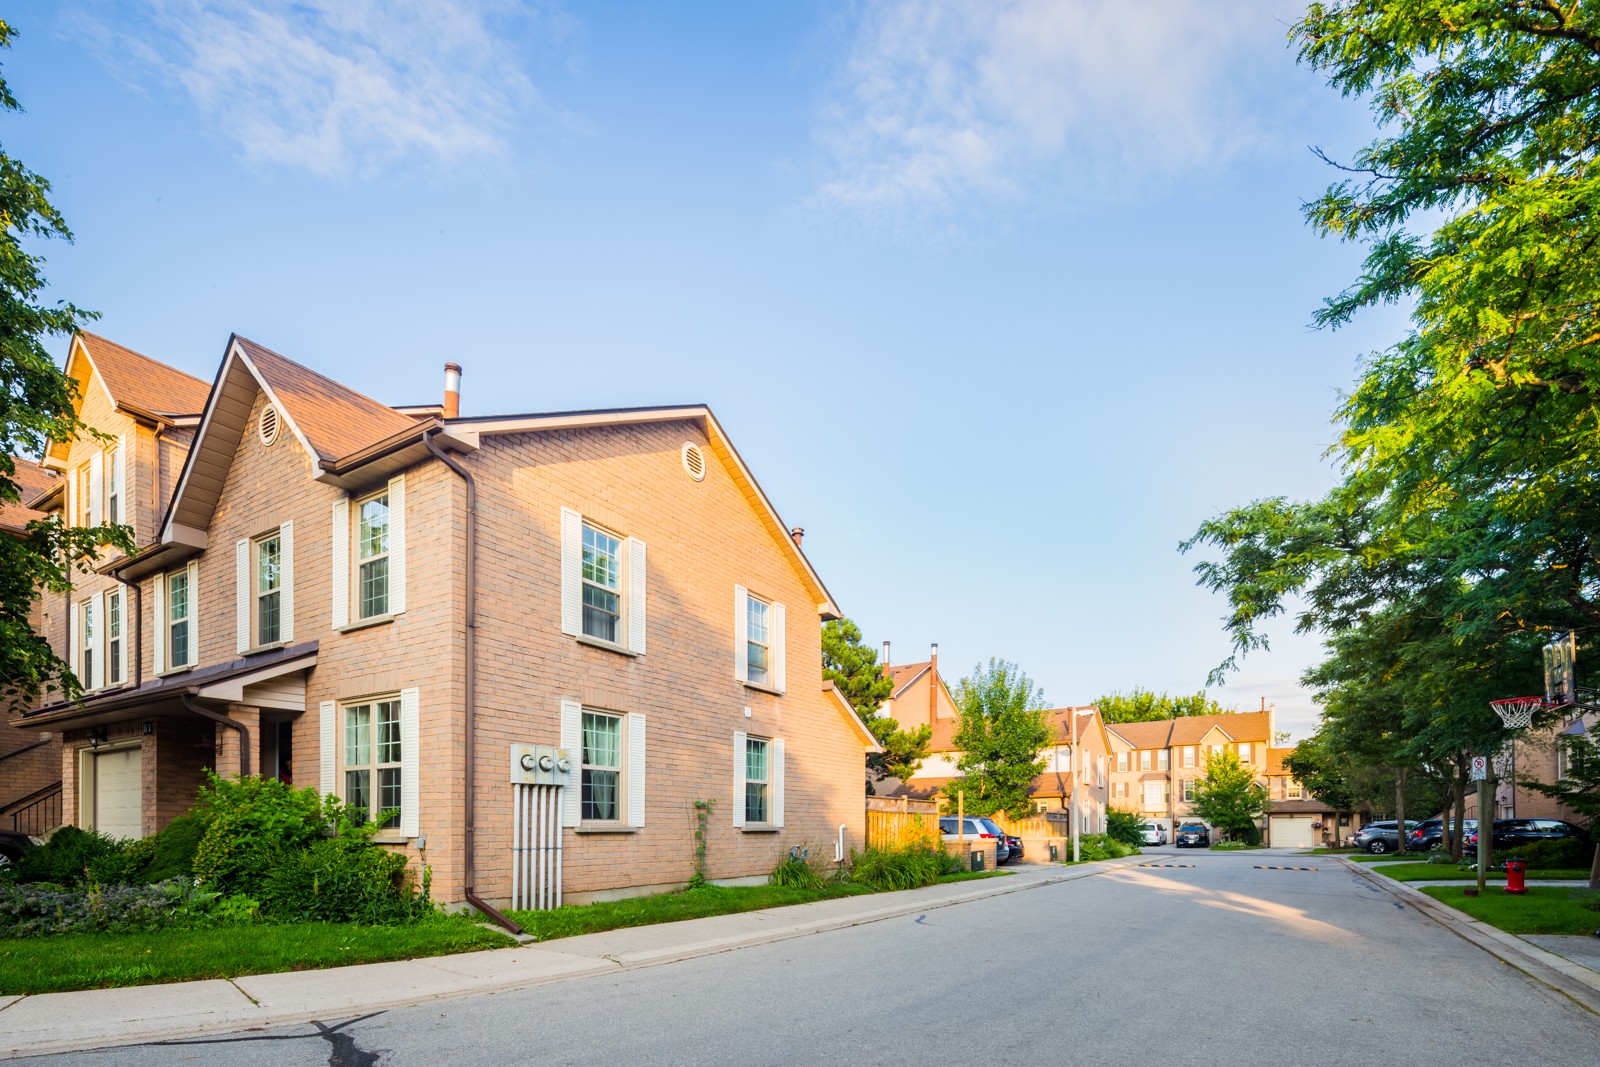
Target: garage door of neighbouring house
[1292, 831]
[116, 793]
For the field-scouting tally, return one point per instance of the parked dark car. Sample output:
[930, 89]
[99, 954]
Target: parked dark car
[1429, 834]
[1513, 833]
[1003, 852]
[1016, 846]
[14, 844]
[1193, 834]
[1383, 836]
[976, 829]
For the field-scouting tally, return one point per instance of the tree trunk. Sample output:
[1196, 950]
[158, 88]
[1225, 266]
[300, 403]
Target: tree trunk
[1463, 777]
[1400, 807]
[1594, 869]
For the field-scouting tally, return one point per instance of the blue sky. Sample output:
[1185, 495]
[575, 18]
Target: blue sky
[999, 301]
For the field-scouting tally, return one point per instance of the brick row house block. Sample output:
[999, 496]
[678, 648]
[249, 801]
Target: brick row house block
[390, 604]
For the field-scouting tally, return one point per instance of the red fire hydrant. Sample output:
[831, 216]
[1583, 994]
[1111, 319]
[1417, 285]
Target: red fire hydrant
[1514, 872]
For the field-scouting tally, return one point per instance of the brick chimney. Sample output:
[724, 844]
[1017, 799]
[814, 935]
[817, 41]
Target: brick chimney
[452, 390]
[933, 683]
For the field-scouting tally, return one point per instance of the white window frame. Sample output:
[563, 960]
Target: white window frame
[758, 637]
[776, 644]
[631, 784]
[1122, 762]
[88, 652]
[620, 769]
[1188, 756]
[1293, 790]
[360, 563]
[763, 783]
[116, 643]
[1163, 760]
[774, 781]
[1244, 751]
[164, 660]
[258, 596]
[373, 765]
[1188, 790]
[1146, 760]
[632, 568]
[615, 552]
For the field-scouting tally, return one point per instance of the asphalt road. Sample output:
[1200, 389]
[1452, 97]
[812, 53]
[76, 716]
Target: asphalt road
[1215, 963]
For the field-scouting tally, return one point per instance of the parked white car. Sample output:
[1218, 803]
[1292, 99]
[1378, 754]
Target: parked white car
[1154, 833]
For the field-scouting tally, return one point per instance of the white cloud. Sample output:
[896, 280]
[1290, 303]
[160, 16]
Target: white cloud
[942, 100]
[335, 86]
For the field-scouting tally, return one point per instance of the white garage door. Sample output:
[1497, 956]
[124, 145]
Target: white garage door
[1291, 831]
[116, 794]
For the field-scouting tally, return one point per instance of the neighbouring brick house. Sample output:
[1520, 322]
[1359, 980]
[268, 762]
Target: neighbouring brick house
[1052, 790]
[1154, 764]
[396, 605]
[1296, 819]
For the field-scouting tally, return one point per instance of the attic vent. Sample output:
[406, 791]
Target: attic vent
[694, 461]
[268, 426]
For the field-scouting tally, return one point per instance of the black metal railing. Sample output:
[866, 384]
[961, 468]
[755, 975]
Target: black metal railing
[37, 812]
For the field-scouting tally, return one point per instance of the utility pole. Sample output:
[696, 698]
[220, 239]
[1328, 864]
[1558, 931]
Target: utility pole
[1077, 765]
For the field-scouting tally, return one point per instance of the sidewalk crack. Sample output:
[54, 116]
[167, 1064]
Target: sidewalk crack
[242, 993]
[19, 1000]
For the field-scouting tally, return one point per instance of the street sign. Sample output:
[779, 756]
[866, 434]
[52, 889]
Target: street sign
[1480, 768]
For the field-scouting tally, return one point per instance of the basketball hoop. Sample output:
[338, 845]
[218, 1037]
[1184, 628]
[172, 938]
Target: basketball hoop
[1517, 712]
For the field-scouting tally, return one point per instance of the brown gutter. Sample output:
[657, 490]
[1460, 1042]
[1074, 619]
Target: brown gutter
[378, 449]
[470, 696]
[222, 720]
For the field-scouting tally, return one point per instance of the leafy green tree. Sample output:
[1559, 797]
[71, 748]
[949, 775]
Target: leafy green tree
[1579, 789]
[1001, 731]
[1228, 796]
[853, 667]
[1142, 705]
[36, 407]
[1125, 826]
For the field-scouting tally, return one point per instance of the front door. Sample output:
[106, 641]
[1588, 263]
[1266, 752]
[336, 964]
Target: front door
[117, 793]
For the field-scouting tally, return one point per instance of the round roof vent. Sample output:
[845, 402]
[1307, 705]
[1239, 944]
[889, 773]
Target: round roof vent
[694, 461]
[269, 425]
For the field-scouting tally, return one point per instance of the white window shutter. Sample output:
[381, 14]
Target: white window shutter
[775, 777]
[97, 488]
[397, 544]
[779, 649]
[158, 632]
[329, 740]
[739, 738]
[76, 641]
[102, 640]
[410, 760]
[636, 583]
[72, 499]
[571, 572]
[241, 582]
[286, 581]
[341, 562]
[124, 491]
[741, 636]
[194, 613]
[572, 741]
[635, 769]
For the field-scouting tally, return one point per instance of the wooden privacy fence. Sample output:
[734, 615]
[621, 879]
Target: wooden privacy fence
[1041, 825]
[894, 822]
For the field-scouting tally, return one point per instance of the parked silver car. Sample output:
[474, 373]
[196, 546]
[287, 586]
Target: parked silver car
[1154, 833]
[977, 829]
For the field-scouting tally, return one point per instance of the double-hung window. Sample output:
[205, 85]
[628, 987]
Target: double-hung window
[1244, 752]
[176, 638]
[1162, 759]
[372, 759]
[601, 779]
[1188, 755]
[602, 585]
[1146, 759]
[757, 781]
[85, 497]
[372, 556]
[1188, 789]
[606, 790]
[759, 641]
[114, 644]
[114, 475]
[86, 655]
[269, 590]
[1122, 761]
[1294, 790]
[369, 576]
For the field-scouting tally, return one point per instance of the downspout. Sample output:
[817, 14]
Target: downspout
[469, 697]
[222, 720]
[138, 630]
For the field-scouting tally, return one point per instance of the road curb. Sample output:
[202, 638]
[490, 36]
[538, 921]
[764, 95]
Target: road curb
[249, 1014]
[1559, 973]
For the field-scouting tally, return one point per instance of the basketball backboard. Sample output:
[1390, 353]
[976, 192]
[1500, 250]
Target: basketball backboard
[1561, 670]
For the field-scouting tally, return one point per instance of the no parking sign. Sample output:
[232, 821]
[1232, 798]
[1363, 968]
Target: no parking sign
[1480, 768]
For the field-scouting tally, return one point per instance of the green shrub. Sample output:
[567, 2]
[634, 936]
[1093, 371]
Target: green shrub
[1549, 855]
[1125, 826]
[902, 868]
[72, 858]
[797, 872]
[1440, 855]
[250, 823]
[1589, 898]
[340, 879]
[172, 851]
[1093, 847]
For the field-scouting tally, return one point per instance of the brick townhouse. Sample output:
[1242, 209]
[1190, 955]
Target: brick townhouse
[542, 639]
[1155, 764]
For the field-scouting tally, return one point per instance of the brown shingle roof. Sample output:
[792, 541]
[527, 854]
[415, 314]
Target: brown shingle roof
[136, 380]
[904, 674]
[1239, 725]
[335, 419]
[1143, 734]
[1275, 761]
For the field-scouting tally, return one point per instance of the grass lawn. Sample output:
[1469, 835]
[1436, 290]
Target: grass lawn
[575, 919]
[1449, 872]
[1542, 910]
[100, 961]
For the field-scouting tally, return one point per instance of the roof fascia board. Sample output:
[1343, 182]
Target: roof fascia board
[909, 683]
[272, 397]
[869, 742]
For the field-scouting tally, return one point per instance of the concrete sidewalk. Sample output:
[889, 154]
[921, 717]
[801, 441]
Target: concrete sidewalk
[1566, 964]
[101, 1018]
